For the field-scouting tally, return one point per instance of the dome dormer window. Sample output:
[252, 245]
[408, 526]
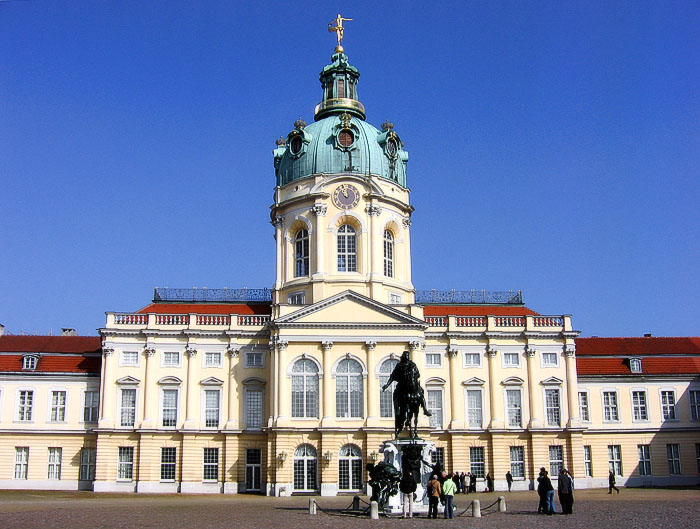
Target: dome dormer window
[346, 138]
[296, 145]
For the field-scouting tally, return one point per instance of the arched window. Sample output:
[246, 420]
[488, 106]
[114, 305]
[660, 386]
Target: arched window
[350, 468]
[305, 465]
[388, 254]
[347, 249]
[386, 401]
[348, 389]
[301, 253]
[304, 389]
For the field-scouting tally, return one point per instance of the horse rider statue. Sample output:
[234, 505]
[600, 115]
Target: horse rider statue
[408, 395]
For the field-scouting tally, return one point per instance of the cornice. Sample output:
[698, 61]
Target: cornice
[400, 326]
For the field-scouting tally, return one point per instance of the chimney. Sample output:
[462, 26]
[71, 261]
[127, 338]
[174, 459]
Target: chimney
[67, 331]
[647, 335]
[2, 329]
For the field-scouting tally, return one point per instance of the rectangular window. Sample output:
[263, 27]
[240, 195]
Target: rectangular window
[477, 461]
[253, 469]
[549, 359]
[128, 407]
[472, 360]
[673, 454]
[610, 410]
[297, 298]
[58, 406]
[583, 409]
[695, 405]
[91, 405]
[171, 358]
[254, 359]
[212, 359]
[433, 359]
[168, 460]
[552, 405]
[130, 358]
[394, 298]
[125, 464]
[668, 405]
[615, 459]
[54, 471]
[639, 405]
[211, 464]
[29, 362]
[511, 359]
[87, 464]
[434, 402]
[514, 407]
[517, 461]
[212, 398]
[253, 408]
[556, 460]
[21, 462]
[474, 409]
[587, 461]
[26, 405]
[644, 452]
[169, 407]
[438, 456]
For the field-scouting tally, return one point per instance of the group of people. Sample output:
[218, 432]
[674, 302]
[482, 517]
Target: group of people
[545, 490]
[443, 486]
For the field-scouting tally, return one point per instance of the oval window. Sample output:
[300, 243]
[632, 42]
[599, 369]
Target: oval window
[295, 145]
[391, 147]
[346, 138]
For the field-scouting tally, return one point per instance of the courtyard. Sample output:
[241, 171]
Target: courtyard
[594, 508]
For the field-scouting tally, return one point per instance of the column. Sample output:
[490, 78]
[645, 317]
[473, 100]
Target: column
[327, 385]
[407, 252]
[535, 421]
[456, 391]
[374, 240]
[190, 421]
[415, 347]
[107, 393]
[233, 352]
[278, 223]
[150, 401]
[572, 386]
[496, 402]
[283, 397]
[372, 397]
[319, 210]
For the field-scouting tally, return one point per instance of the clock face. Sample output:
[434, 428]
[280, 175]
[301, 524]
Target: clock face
[346, 196]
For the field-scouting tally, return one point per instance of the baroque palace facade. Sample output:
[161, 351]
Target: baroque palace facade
[279, 391]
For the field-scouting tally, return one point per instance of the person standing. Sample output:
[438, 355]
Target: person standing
[565, 486]
[463, 483]
[434, 491]
[611, 483]
[546, 493]
[509, 480]
[472, 482]
[448, 489]
[489, 482]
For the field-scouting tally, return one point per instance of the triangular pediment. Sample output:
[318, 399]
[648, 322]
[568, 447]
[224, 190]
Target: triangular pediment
[212, 381]
[474, 381]
[349, 308]
[128, 381]
[552, 381]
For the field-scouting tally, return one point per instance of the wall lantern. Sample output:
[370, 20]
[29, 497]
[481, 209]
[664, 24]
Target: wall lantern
[328, 456]
[374, 456]
[282, 457]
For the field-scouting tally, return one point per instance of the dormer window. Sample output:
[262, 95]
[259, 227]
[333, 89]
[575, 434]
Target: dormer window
[636, 365]
[29, 362]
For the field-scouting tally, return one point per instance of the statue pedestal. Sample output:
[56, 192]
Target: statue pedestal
[394, 455]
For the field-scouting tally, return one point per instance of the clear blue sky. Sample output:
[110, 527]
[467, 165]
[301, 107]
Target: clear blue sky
[554, 148]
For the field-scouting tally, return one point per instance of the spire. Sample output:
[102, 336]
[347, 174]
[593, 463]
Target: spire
[339, 80]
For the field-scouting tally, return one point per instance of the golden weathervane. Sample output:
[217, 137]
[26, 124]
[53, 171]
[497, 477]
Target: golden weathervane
[339, 30]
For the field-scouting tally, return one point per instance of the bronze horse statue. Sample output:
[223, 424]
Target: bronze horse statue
[408, 396]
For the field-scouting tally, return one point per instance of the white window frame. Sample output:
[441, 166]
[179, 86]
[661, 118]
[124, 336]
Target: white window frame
[206, 464]
[205, 409]
[124, 363]
[21, 462]
[547, 408]
[389, 270]
[635, 408]
[546, 365]
[615, 459]
[249, 355]
[296, 298]
[122, 466]
[616, 408]
[670, 407]
[467, 408]
[302, 260]
[21, 409]
[347, 394]
[517, 466]
[29, 362]
[53, 471]
[478, 464]
[88, 460]
[694, 402]
[673, 457]
[511, 354]
[162, 409]
[168, 464]
[348, 232]
[248, 390]
[588, 461]
[434, 354]
[164, 362]
[434, 410]
[635, 365]
[58, 408]
[395, 298]
[121, 401]
[94, 409]
[354, 471]
[472, 354]
[644, 454]
[519, 389]
[587, 406]
[555, 465]
[208, 354]
[383, 378]
[306, 378]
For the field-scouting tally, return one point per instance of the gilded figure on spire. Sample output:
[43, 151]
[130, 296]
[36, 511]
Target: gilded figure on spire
[339, 30]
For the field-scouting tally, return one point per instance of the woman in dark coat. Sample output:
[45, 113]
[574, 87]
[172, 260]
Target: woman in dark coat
[546, 492]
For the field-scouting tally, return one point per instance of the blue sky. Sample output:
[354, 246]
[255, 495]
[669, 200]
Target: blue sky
[554, 148]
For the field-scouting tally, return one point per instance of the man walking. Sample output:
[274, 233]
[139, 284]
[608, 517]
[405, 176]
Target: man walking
[611, 483]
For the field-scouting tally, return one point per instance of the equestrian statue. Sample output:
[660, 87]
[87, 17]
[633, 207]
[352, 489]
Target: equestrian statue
[408, 396]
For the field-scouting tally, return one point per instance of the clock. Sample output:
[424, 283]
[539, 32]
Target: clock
[346, 196]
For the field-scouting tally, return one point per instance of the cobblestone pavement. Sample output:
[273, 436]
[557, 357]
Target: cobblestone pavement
[593, 509]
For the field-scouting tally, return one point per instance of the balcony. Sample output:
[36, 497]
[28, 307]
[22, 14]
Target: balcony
[222, 322]
[508, 324]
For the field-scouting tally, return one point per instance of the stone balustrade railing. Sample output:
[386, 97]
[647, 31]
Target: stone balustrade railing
[502, 323]
[186, 320]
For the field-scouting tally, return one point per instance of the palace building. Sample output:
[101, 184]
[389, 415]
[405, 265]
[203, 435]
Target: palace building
[279, 391]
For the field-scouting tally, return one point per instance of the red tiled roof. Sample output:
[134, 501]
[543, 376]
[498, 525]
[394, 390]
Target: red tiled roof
[206, 308]
[476, 310]
[650, 366]
[50, 344]
[637, 346]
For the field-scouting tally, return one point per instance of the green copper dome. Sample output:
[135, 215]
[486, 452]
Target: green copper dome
[340, 140]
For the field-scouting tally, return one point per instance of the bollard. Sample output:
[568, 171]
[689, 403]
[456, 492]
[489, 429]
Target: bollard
[476, 508]
[356, 503]
[312, 506]
[501, 504]
[374, 510]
